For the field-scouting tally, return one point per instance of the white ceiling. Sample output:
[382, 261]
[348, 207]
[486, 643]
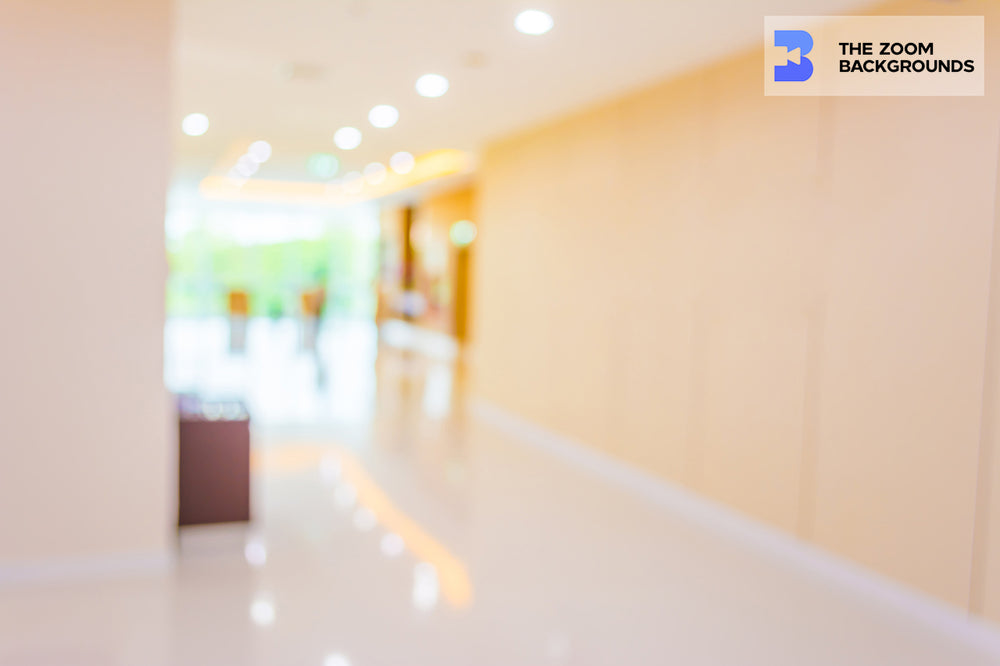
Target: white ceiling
[232, 60]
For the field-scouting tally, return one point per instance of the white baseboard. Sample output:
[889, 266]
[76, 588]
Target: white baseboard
[92, 567]
[748, 532]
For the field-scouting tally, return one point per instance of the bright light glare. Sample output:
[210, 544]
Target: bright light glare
[533, 22]
[392, 545]
[255, 553]
[432, 85]
[402, 163]
[262, 613]
[347, 138]
[246, 166]
[195, 124]
[260, 151]
[336, 660]
[425, 586]
[375, 173]
[383, 116]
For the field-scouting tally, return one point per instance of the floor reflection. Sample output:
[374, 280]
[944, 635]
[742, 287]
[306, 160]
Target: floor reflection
[392, 525]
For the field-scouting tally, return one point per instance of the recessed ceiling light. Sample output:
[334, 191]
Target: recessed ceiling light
[246, 166]
[432, 85]
[195, 124]
[347, 138]
[533, 22]
[402, 163]
[383, 116]
[260, 151]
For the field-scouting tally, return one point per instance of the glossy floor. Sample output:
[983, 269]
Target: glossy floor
[407, 530]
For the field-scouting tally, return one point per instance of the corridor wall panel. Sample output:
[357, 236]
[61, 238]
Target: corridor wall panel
[780, 303]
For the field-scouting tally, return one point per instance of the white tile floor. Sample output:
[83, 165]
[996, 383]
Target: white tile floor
[411, 532]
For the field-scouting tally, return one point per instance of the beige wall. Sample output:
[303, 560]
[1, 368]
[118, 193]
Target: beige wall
[85, 457]
[778, 302]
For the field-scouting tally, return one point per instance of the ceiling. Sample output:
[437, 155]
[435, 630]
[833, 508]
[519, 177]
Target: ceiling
[293, 71]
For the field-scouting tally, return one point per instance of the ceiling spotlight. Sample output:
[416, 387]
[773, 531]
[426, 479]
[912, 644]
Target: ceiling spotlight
[432, 85]
[347, 138]
[383, 116]
[533, 22]
[260, 151]
[375, 173]
[402, 163]
[246, 166]
[195, 124]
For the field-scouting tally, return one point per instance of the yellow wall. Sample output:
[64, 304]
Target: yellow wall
[86, 457]
[778, 302]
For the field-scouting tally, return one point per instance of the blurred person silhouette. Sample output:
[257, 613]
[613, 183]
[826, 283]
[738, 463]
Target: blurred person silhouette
[239, 309]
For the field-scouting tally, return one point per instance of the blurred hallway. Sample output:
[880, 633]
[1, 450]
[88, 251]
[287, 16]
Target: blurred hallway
[415, 529]
[447, 333]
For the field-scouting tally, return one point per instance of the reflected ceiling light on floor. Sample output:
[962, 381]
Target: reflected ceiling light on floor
[402, 163]
[246, 166]
[323, 165]
[345, 496]
[392, 545]
[354, 183]
[329, 466]
[262, 613]
[533, 22]
[195, 124]
[426, 588]
[347, 138]
[255, 553]
[375, 173]
[260, 151]
[364, 519]
[462, 233]
[432, 85]
[336, 660]
[383, 116]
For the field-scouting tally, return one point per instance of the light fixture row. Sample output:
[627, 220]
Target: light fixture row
[248, 163]
[381, 116]
[375, 173]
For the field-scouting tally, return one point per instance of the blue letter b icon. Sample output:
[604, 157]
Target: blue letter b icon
[792, 40]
